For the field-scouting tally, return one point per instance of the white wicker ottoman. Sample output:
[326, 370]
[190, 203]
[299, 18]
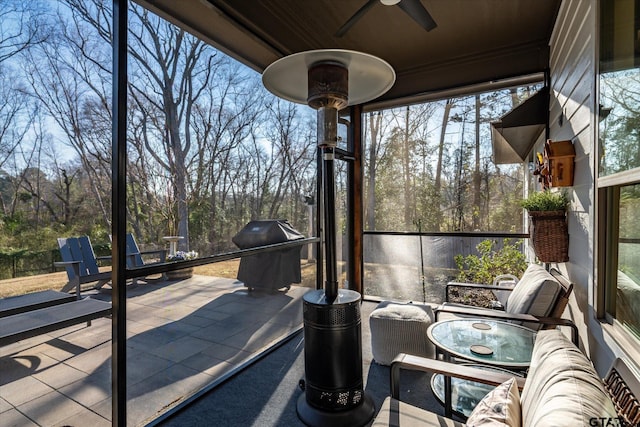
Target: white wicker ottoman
[400, 328]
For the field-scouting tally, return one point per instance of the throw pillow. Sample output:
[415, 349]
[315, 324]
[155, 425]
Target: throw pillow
[501, 407]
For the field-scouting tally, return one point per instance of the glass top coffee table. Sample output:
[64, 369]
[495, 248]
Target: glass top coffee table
[492, 343]
[484, 341]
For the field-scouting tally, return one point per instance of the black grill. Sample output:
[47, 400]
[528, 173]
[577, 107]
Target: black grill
[274, 269]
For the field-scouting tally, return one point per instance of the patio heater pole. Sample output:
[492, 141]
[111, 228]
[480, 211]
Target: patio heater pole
[331, 268]
[327, 80]
[327, 93]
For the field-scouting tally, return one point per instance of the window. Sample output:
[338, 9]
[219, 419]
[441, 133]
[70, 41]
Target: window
[622, 260]
[619, 162]
[433, 190]
[434, 163]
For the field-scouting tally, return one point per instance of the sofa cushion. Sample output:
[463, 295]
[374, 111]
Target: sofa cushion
[535, 293]
[562, 387]
[500, 407]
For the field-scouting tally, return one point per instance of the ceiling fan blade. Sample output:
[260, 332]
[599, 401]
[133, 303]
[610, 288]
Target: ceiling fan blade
[418, 13]
[356, 16]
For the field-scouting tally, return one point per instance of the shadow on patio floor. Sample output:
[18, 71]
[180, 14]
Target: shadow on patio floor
[265, 394]
[182, 336]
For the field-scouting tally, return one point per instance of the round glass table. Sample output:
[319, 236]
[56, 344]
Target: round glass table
[492, 343]
[484, 341]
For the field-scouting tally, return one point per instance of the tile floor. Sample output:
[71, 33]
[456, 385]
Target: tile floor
[182, 336]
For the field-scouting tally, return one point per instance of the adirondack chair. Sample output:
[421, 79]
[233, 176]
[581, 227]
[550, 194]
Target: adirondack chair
[135, 257]
[81, 263]
[79, 260]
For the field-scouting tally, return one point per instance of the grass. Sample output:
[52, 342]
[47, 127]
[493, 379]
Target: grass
[381, 280]
[56, 281]
[28, 284]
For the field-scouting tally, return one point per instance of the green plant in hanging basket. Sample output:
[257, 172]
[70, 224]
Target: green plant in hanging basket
[548, 229]
[546, 201]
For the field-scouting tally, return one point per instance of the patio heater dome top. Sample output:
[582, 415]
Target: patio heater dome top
[369, 76]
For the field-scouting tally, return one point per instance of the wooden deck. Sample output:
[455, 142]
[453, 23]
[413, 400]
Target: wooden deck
[182, 336]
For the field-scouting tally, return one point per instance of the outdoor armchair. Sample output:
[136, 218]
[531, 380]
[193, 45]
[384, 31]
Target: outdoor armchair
[539, 293]
[80, 263]
[135, 255]
[138, 258]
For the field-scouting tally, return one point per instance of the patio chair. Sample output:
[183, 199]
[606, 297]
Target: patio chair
[81, 264]
[136, 257]
[539, 294]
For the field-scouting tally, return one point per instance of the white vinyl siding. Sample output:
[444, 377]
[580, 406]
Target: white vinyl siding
[573, 83]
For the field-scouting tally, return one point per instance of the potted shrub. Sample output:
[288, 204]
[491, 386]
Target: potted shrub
[548, 225]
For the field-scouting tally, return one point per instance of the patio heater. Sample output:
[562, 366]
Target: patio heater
[329, 80]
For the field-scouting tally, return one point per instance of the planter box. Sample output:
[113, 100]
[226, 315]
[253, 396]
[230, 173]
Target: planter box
[549, 235]
[181, 274]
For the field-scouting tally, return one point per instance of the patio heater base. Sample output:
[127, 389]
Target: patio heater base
[358, 416]
[334, 394]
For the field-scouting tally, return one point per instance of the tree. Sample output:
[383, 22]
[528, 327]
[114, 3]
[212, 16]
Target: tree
[375, 120]
[441, 150]
[72, 91]
[477, 178]
[16, 116]
[229, 114]
[23, 25]
[173, 70]
[208, 148]
[619, 135]
[292, 151]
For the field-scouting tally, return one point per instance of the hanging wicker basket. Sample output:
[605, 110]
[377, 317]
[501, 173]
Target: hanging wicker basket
[549, 235]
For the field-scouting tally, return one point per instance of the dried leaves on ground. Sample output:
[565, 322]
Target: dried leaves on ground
[474, 297]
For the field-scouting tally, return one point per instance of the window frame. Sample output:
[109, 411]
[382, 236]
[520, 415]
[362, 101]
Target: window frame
[607, 222]
[608, 196]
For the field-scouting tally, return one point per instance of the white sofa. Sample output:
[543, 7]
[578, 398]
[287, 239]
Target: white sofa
[561, 389]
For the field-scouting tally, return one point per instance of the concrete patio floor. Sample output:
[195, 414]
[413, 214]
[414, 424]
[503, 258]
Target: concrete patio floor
[182, 336]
